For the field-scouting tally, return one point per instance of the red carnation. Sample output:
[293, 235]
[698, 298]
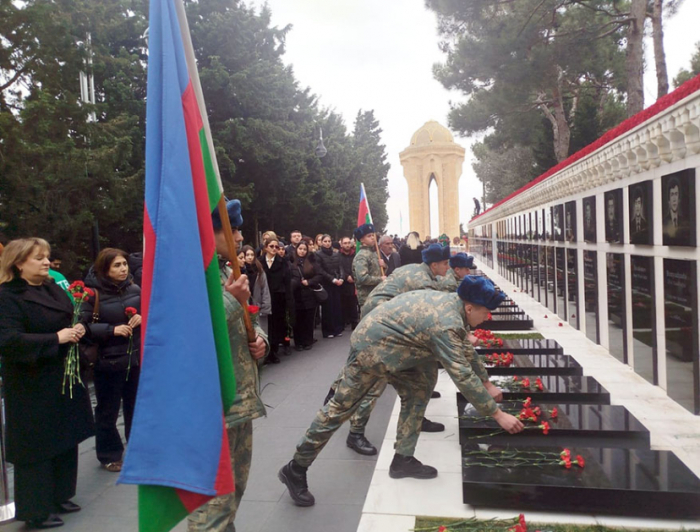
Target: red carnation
[580, 461]
[527, 401]
[545, 315]
[561, 324]
[538, 384]
[90, 292]
[566, 462]
[130, 312]
[521, 519]
[253, 309]
[537, 411]
[566, 453]
[554, 413]
[516, 378]
[442, 529]
[545, 427]
[78, 295]
[526, 383]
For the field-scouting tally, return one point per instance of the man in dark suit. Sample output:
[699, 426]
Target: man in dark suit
[389, 255]
[612, 227]
[676, 222]
[639, 227]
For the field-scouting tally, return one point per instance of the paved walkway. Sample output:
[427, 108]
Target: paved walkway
[293, 392]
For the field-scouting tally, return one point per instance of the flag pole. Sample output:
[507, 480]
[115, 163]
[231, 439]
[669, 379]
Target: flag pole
[221, 204]
[376, 244]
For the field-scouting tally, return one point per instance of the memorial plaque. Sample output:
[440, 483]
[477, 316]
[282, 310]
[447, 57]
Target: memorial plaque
[570, 389]
[561, 283]
[570, 221]
[548, 223]
[641, 213]
[558, 223]
[589, 224]
[616, 306]
[525, 347]
[569, 425]
[681, 319]
[613, 216]
[678, 208]
[551, 278]
[590, 286]
[633, 482]
[644, 318]
[540, 224]
[532, 365]
[573, 310]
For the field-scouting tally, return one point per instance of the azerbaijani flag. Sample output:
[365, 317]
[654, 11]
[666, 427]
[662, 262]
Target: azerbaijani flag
[178, 450]
[363, 214]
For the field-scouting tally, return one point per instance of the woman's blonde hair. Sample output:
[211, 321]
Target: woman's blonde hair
[15, 253]
[413, 240]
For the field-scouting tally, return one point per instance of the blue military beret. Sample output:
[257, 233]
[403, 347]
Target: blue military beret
[461, 260]
[363, 231]
[234, 215]
[435, 253]
[480, 291]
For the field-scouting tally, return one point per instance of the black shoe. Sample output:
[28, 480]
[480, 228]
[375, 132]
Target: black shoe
[272, 358]
[435, 395]
[298, 348]
[308, 347]
[339, 335]
[431, 426]
[294, 477]
[329, 396]
[408, 466]
[68, 507]
[360, 444]
[52, 521]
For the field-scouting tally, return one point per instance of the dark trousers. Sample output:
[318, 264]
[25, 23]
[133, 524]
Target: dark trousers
[349, 305]
[331, 313]
[277, 321]
[304, 326]
[41, 486]
[111, 390]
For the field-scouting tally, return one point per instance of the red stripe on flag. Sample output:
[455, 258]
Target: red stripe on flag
[362, 212]
[224, 479]
[193, 124]
[149, 239]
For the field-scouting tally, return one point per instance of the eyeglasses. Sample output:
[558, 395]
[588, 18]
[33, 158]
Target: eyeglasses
[274, 246]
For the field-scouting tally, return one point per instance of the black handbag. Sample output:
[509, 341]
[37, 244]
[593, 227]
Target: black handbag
[320, 293]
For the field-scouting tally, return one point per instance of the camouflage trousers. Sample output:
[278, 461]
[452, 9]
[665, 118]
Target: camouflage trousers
[358, 421]
[218, 514]
[413, 386]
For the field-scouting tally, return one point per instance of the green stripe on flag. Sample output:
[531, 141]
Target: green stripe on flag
[160, 509]
[213, 188]
[221, 339]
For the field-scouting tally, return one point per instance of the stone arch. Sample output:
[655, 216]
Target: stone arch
[433, 154]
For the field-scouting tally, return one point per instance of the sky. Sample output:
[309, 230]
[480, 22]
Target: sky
[370, 54]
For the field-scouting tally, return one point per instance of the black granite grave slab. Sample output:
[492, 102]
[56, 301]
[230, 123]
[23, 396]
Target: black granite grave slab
[535, 365]
[567, 389]
[507, 311]
[632, 482]
[517, 322]
[581, 425]
[525, 347]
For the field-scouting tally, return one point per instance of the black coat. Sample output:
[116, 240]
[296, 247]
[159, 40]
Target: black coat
[41, 421]
[410, 256]
[278, 276]
[304, 297]
[329, 266]
[114, 299]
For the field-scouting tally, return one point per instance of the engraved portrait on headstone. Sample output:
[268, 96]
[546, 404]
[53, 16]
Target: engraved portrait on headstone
[589, 224]
[558, 223]
[613, 216]
[640, 213]
[570, 221]
[678, 208]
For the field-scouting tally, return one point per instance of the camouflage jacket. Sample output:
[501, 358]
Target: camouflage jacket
[419, 328]
[404, 279]
[449, 282]
[366, 272]
[247, 405]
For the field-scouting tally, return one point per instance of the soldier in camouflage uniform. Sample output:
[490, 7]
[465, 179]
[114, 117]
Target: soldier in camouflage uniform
[460, 266]
[219, 513]
[400, 342]
[411, 277]
[367, 271]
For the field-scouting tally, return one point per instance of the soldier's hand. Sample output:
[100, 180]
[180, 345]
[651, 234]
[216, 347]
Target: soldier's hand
[238, 288]
[257, 348]
[510, 424]
[383, 277]
[473, 339]
[494, 391]
[381, 263]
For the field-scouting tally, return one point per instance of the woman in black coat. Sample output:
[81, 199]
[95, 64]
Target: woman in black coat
[116, 372]
[331, 310]
[44, 425]
[279, 283]
[306, 277]
[412, 251]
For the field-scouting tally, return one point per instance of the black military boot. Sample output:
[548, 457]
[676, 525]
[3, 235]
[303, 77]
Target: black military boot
[435, 395]
[431, 426]
[408, 466]
[294, 477]
[360, 444]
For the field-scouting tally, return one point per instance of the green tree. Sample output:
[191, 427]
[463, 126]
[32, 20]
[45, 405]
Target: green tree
[688, 74]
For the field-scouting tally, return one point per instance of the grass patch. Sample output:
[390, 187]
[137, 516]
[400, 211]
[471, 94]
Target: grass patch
[431, 524]
[520, 336]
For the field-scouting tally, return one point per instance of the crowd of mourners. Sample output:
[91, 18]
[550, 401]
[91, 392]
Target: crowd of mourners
[299, 285]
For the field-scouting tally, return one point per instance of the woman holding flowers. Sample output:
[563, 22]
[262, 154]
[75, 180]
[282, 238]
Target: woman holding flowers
[114, 327]
[44, 423]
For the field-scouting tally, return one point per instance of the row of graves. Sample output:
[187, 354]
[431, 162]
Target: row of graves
[578, 453]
